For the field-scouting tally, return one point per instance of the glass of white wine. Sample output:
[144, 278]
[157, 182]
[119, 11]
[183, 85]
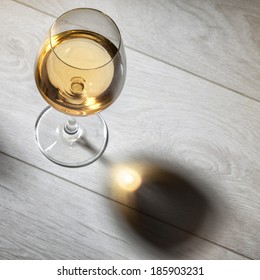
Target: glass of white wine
[80, 70]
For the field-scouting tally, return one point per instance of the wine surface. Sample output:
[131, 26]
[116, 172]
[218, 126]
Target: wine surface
[79, 72]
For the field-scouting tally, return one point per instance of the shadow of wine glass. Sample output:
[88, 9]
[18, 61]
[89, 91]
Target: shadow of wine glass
[167, 204]
[84, 143]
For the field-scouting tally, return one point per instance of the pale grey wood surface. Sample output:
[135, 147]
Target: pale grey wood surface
[164, 115]
[215, 39]
[59, 220]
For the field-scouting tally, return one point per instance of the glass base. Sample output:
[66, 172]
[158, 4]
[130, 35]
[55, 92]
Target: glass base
[70, 141]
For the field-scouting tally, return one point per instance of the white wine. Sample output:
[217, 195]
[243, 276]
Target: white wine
[79, 72]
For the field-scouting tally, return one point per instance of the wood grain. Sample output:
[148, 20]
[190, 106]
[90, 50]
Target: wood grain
[217, 40]
[58, 220]
[164, 115]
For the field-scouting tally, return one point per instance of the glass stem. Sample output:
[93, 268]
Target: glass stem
[71, 127]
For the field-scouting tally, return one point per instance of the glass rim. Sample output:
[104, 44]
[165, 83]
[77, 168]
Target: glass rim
[89, 9]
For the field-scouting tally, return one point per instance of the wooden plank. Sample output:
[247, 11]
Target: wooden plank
[164, 114]
[217, 40]
[58, 220]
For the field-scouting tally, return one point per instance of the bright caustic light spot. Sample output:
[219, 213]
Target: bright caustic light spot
[127, 178]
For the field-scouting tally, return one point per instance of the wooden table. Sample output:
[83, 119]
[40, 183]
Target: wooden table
[190, 109]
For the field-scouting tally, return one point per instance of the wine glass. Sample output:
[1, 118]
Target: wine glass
[80, 70]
